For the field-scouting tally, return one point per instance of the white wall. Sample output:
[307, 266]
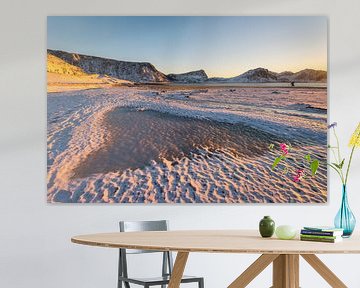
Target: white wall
[35, 248]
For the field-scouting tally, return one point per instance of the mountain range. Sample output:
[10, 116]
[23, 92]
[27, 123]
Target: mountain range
[131, 71]
[144, 72]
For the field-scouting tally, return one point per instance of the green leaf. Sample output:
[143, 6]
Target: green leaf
[271, 146]
[334, 167]
[277, 161]
[314, 167]
[341, 165]
[308, 158]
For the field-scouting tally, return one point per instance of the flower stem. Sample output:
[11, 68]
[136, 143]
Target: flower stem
[337, 170]
[348, 167]
[334, 154]
[351, 156]
[339, 155]
[338, 146]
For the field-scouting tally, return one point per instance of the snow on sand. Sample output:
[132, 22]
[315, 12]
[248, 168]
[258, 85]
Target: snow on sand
[79, 130]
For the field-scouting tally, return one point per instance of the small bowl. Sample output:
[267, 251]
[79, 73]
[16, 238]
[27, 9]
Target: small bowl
[285, 232]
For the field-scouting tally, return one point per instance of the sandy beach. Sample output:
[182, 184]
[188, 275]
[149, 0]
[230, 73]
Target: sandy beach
[152, 144]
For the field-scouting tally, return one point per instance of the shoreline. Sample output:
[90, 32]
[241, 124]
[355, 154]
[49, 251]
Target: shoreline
[70, 87]
[204, 85]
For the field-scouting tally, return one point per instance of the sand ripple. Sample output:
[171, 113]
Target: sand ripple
[77, 132]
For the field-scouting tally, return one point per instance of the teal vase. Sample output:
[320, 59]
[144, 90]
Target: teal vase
[267, 227]
[345, 219]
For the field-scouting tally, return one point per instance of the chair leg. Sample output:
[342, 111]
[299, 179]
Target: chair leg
[201, 283]
[122, 270]
[164, 266]
[120, 273]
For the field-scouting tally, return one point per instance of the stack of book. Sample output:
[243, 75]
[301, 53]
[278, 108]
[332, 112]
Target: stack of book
[321, 234]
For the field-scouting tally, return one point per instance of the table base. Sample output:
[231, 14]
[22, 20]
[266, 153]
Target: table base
[285, 270]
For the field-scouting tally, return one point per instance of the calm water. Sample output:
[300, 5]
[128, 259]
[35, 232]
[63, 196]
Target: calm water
[138, 137]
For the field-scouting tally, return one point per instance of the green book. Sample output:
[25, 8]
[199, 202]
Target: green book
[319, 236]
[325, 240]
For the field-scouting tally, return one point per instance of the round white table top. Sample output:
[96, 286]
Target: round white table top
[217, 241]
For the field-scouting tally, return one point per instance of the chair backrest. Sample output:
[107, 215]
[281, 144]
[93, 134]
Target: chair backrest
[133, 226]
[138, 226]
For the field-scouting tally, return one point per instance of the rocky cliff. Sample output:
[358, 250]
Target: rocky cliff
[189, 77]
[62, 76]
[258, 75]
[59, 66]
[131, 71]
[262, 75]
[308, 75]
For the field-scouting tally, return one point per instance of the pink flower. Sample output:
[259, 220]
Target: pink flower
[299, 175]
[284, 148]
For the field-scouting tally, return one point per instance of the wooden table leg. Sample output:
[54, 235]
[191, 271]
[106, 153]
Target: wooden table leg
[286, 271]
[253, 270]
[324, 271]
[178, 269]
[293, 262]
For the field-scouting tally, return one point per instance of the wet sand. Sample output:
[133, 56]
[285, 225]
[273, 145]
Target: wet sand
[139, 137]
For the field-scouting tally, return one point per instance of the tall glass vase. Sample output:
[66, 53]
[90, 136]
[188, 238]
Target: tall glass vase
[345, 219]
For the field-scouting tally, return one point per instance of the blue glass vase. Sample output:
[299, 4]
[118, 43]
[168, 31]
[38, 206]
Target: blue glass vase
[345, 219]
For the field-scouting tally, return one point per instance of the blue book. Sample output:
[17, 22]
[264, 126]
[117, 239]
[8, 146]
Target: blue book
[322, 231]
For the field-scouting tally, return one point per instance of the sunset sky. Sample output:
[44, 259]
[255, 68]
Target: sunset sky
[222, 46]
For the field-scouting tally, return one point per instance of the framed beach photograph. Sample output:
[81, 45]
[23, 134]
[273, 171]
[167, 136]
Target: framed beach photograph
[186, 109]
